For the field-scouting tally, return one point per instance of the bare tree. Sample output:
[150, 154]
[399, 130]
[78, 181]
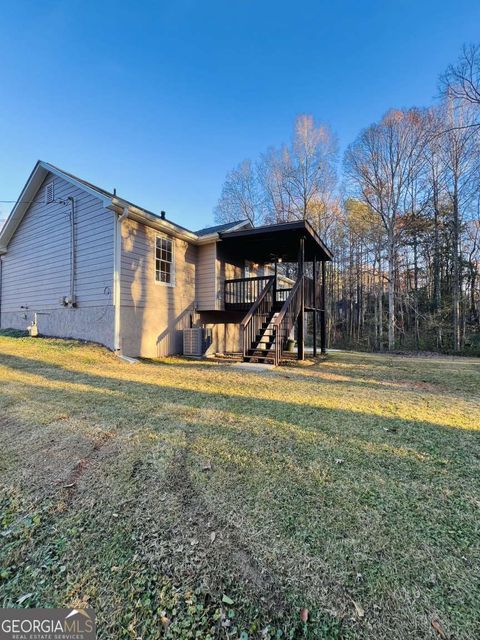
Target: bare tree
[310, 168]
[273, 171]
[381, 165]
[461, 81]
[460, 156]
[241, 197]
[435, 174]
[290, 183]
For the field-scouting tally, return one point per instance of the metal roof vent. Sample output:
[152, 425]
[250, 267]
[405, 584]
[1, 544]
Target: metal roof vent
[49, 193]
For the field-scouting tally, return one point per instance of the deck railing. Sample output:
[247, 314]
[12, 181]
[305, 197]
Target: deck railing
[282, 295]
[241, 291]
[258, 314]
[285, 321]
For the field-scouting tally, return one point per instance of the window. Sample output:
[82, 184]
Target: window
[164, 266]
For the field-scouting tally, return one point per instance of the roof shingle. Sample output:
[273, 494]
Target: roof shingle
[219, 228]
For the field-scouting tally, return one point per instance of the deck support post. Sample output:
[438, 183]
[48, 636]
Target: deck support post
[315, 302]
[301, 315]
[323, 328]
[275, 283]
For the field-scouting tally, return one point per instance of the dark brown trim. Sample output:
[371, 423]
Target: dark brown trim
[300, 225]
[323, 327]
[314, 313]
[301, 315]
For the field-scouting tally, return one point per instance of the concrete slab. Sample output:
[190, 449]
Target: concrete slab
[257, 367]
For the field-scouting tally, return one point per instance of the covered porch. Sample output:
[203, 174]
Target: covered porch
[274, 303]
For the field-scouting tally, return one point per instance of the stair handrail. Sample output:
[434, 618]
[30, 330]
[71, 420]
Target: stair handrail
[288, 314]
[249, 325]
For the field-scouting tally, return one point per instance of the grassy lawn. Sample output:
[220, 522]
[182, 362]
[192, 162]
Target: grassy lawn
[197, 500]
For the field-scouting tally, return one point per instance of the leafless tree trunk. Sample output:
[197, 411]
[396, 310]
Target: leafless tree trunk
[381, 163]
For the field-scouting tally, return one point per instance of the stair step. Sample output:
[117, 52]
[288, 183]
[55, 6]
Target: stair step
[251, 352]
[264, 359]
[266, 331]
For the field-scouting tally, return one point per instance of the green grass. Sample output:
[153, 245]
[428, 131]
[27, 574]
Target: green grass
[197, 500]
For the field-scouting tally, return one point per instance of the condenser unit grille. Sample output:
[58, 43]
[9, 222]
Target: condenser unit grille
[193, 342]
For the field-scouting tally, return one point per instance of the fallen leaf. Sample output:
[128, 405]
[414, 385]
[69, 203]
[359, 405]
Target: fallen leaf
[24, 597]
[213, 535]
[227, 599]
[439, 629]
[304, 615]
[360, 611]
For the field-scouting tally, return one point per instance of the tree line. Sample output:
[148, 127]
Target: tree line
[403, 222]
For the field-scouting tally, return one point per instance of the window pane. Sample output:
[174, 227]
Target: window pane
[163, 260]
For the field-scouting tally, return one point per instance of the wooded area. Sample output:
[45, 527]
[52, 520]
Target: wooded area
[403, 221]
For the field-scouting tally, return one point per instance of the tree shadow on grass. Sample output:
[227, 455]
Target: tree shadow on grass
[138, 403]
[261, 442]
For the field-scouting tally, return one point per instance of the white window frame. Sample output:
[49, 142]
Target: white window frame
[172, 263]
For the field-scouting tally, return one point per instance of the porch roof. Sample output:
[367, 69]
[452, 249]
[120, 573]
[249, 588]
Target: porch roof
[264, 244]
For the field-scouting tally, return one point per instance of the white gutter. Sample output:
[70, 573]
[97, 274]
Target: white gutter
[117, 259]
[140, 215]
[153, 221]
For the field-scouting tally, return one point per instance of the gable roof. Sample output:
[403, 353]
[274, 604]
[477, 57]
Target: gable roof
[228, 232]
[108, 199]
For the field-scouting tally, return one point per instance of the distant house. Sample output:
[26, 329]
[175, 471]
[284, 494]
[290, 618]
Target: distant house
[88, 264]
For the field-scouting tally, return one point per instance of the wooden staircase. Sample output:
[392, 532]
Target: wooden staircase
[269, 322]
[262, 347]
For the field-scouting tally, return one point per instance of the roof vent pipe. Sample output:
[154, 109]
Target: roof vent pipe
[162, 215]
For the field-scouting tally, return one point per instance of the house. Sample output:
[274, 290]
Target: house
[79, 261]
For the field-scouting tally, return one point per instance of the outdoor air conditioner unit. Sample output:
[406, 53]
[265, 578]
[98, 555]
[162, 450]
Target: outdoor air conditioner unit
[193, 342]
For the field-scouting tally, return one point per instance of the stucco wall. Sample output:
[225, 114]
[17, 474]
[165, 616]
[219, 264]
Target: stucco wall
[154, 314]
[94, 324]
[225, 327]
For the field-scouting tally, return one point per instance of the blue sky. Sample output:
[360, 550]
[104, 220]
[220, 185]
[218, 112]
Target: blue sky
[161, 99]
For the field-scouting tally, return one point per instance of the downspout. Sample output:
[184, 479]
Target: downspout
[117, 258]
[72, 251]
[1, 280]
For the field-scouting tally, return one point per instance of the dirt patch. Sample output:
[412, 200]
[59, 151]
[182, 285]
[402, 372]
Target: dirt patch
[71, 483]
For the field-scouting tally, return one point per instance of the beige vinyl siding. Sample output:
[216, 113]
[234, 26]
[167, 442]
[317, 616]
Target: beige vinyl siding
[153, 314]
[207, 278]
[36, 267]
